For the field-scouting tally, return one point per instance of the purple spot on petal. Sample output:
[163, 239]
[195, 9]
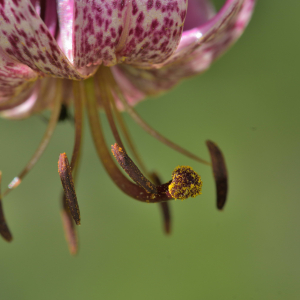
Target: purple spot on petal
[113, 32]
[182, 15]
[32, 12]
[122, 5]
[138, 31]
[120, 30]
[134, 7]
[154, 24]
[4, 16]
[158, 4]
[141, 17]
[149, 4]
[16, 2]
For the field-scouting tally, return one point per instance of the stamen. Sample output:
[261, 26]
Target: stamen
[4, 230]
[185, 183]
[66, 178]
[128, 138]
[44, 143]
[106, 95]
[78, 110]
[131, 169]
[67, 219]
[220, 173]
[118, 150]
[164, 206]
[137, 118]
[116, 175]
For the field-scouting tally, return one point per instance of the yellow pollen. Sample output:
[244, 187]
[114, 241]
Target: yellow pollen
[185, 183]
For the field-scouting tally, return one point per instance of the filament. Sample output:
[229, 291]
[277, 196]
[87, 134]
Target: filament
[45, 140]
[136, 117]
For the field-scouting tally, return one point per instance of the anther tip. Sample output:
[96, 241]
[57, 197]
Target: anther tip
[185, 183]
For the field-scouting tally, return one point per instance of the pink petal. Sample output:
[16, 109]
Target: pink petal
[22, 109]
[218, 34]
[232, 18]
[198, 13]
[65, 16]
[15, 81]
[139, 32]
[152, 31]
[25, 37]
[36, 98]
[98, 26]
[129, 90]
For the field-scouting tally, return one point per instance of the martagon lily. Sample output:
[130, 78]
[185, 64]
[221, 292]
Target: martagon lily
[110, 54]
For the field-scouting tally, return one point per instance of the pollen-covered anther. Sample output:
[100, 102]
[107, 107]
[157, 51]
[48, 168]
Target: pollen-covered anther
[131, 169]
[185, 183]
[65, 174]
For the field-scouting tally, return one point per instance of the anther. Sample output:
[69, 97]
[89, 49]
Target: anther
[220, 173]
[185, 183]
[131, 169]
[66, 178]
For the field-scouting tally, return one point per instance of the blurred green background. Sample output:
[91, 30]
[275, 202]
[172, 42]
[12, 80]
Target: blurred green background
[247, 103]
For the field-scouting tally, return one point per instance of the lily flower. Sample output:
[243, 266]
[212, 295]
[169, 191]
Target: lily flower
[110, 54]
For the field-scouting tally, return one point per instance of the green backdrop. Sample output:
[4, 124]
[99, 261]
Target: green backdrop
[247, 103]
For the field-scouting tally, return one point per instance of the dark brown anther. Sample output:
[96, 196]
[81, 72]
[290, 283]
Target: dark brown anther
[66, 178]
[220, 173]
[164, 206]
[4, 230]
[131, 169]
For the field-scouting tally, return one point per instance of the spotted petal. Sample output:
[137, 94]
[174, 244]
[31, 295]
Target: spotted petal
[15, 81]
[153, 31]
[228, 24]
[140, 32]
[27, 39]
[194, 55]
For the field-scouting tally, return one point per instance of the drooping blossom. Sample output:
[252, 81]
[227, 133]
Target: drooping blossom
[110, 54]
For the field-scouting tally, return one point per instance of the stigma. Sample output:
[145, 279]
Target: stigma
[185, 183]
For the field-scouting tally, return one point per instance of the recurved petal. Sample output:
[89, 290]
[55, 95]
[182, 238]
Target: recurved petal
[26, 38]
[15, 81]
[198, 13]
[136, 84]
[131, 92]
[36, 98]
[214, 36]
[228, 25]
